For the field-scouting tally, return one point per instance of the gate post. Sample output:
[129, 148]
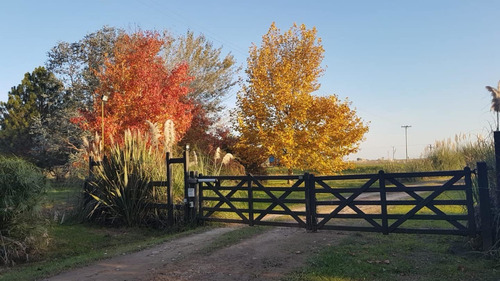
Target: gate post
[250, 201]
[470, 202]
[383, 202]
[170, 204]
[187, 178]
[190, 197]
[311, 218]
[496, 193]
[199, 194]
[484, 205]
[307, 195]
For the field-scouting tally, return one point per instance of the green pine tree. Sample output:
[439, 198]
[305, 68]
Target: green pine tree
[38, 98]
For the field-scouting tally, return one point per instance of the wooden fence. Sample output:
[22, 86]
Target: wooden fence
[442, 202]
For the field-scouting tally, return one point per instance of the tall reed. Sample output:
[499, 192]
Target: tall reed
[217, 164]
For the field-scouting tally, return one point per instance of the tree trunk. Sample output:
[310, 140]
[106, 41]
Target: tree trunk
[290, 173]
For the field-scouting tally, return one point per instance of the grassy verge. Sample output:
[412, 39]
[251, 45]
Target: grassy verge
[77, 245]
[372, 256]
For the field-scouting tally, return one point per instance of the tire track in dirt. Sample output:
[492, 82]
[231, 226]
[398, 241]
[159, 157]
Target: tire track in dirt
[135, 266]
[267, 256]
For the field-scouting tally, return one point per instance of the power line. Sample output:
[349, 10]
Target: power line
[189, 22]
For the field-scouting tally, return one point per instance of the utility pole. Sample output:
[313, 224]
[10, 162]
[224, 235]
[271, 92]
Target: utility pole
[406, 138]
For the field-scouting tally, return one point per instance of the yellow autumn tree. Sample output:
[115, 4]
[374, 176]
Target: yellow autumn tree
[278, 115]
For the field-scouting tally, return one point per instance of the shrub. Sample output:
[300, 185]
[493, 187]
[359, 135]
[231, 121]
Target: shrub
[22, 186]
[449, 155]
[121, 190]
[463, 151]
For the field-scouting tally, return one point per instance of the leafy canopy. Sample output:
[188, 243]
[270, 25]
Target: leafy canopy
[75, 63]
[278, 115]
[37, 100]
[139, 89]
[213, 76]
[212, 71]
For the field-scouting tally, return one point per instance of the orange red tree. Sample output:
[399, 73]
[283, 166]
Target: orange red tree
[139, 88]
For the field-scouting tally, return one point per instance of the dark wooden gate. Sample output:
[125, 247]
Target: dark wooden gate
[442, 202]
[253, 200]
[389, 203]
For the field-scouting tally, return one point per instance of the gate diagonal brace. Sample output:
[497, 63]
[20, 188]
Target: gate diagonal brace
[431, 207]
[282, 197]
[276, 202]
[229, 195]
[424, 202]
[348, 202]
[225, 199]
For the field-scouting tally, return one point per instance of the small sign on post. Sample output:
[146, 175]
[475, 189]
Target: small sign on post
[191, 192]
[206, 180]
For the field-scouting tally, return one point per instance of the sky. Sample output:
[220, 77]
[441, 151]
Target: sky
[423, 63]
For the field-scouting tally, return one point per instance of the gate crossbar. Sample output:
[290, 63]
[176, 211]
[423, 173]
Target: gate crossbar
[225, 199]
[278, 201]
[344, 202]
[431, 207]
[422, 203]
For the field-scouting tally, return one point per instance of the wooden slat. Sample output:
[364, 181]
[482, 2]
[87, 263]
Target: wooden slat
[277, 201]
[211, 187]
[394, 202]
[430, 204]
[398, 216]
[424, 202]
[347, 201]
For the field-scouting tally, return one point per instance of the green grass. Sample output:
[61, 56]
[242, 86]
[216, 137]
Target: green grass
[365, 168]
[73, 244]
[77, 245]
[372, 256]
[61, 196]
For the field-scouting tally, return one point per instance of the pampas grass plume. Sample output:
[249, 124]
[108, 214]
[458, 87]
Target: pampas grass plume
[217, 154]
[154, 132]
[195, 158]
[169, 134]
[227, 158]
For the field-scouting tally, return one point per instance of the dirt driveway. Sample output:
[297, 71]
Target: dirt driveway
[267, 256]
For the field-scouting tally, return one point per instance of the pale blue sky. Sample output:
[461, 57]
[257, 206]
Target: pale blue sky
[418, 63]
